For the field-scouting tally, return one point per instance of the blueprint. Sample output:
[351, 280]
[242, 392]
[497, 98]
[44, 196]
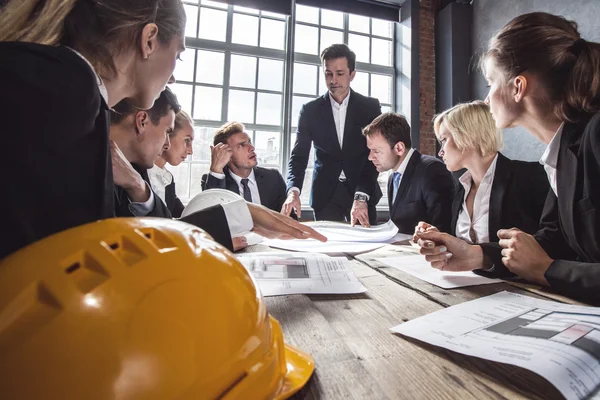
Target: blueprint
[294, 273]
[557, 341]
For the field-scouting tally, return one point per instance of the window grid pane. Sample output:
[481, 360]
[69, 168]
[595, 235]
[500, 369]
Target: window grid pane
[213, 24]
[245, 29]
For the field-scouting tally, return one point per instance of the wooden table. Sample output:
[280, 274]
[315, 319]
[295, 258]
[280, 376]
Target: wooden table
[357, 357]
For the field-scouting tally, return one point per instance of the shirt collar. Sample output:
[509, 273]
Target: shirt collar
[404, 163]
[335, 103]
[238, 179]
[550, 156]
[162, 174]
[101, 86]
[466, 178]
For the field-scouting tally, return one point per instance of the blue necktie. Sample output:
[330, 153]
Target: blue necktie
[247, 193]
[397, 176]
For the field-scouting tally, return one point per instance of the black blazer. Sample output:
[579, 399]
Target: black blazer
[317, 127]
[570, 225]
[425, 194]
[173, 203]
[517, 197]
[57, 168]
[122, 201]
[271, 186]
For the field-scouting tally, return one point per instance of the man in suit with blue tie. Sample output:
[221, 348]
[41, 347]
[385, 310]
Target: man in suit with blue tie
[234, 166]
[420, 188]
[344, 184]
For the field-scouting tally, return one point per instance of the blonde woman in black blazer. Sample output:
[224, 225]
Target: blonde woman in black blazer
[493, 191]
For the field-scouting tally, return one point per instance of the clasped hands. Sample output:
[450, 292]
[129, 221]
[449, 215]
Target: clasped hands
[521, 253]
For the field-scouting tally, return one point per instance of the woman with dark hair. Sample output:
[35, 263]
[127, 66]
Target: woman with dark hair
[63, 64]
[545, 78]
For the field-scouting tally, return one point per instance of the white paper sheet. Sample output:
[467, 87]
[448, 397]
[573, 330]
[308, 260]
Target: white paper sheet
[343, 232]
[418, 267]
[331, 247]
[295, 273]
[557, 341]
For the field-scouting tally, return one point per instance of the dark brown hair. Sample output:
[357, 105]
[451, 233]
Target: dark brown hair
[99, 29]
[393, 127]
[338, 51]
[226, 131]
[166, 102]
[551, 47]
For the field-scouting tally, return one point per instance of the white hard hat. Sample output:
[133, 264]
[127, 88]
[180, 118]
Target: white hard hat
[208, 198]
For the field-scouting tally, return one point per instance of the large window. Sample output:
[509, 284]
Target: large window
[233, 69]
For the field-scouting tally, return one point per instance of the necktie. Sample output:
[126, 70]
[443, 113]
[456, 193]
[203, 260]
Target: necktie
[247, 193]
[397, 176]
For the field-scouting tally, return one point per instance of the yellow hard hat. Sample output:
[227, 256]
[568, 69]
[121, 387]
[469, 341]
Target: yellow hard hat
[134, 308]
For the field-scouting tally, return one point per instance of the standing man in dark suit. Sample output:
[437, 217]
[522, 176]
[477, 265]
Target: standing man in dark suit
[420, 187]
[234, 167]
[344, 185]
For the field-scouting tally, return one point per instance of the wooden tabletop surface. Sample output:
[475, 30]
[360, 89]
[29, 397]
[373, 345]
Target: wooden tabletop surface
[357, 357]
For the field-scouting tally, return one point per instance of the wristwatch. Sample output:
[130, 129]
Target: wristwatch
[360, 197]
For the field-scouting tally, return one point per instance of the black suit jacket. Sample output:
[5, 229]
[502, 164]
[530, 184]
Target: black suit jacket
[122, 201]
[271, 186]
[570, 225]
[517, 197]
[425, 194]
[317, 127]
[56, 167]
[173, 203]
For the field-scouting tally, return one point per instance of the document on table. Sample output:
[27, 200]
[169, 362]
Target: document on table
[344, 232]
[295, 273]
[418, 267]
[343, 238]
[557, 341]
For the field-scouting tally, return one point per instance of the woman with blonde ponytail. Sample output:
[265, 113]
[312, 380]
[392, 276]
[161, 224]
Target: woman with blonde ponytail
[544, 77]
[63, 65]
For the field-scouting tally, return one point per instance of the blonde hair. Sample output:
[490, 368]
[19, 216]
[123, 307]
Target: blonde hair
[472, 127]
[180, 119]
[99, 29]
[228, 130]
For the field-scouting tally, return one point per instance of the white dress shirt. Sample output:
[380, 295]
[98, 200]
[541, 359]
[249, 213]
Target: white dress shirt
[238, 217]
[402, 167]
[160, 178]
[339, 117]
[238, 180]
[480, 223]
[550, 158]
[251, 184]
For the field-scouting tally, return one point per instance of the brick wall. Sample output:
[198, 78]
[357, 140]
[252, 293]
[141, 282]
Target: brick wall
[427, 10]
